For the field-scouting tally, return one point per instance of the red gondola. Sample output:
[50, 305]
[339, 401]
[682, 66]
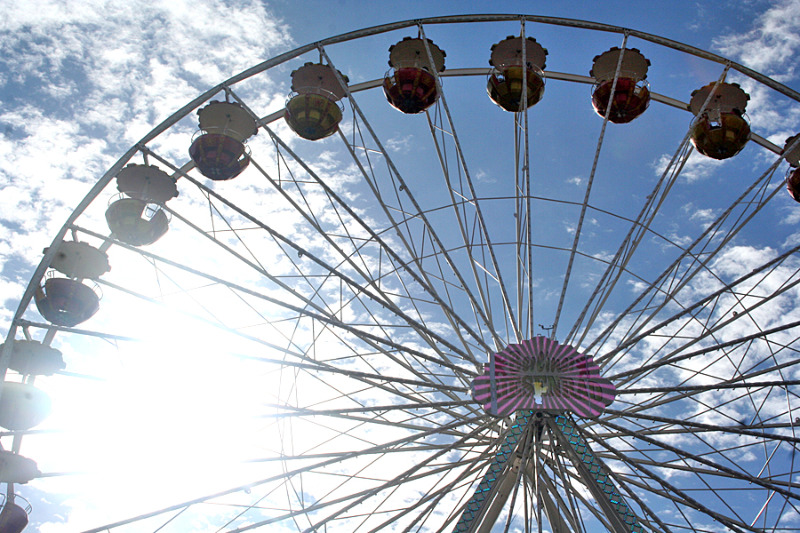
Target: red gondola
[631, 94]
[411, 84]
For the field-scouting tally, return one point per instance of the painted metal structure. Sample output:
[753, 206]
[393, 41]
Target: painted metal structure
[542, 467]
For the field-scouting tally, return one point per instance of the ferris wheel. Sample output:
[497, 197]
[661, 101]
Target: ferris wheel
[534, 277]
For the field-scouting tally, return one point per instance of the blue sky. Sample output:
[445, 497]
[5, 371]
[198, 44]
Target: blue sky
[179, 414]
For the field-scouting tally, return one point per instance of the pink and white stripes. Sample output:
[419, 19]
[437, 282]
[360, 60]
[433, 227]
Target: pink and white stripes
[541, 374]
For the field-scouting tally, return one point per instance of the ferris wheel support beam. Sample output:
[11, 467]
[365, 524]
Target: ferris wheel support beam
[347, 279]
[526, 453]
[648, 512]
[757, 188]
[573, 485]
[418, 210]
[631, 242]
[473, 197]
[423, 277]
[382, 448]
[523, 213]
[707, 427]
[473, 511]
[589, 183]
[728, 287]
[301, 311]
[620, 516]
[525, 264]
[713, 465]
[498, 497]
[674, 356]
[473, 262]
[680, 497]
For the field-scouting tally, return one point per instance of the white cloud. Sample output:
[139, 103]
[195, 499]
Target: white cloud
[703, 215]
[697, 166]
[483, 177]
[772, 46]
[400, 144]
[773, 118]
[88, 79]
[791, 212]
[85, 81]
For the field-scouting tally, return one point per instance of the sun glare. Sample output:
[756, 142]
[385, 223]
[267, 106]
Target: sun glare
[176, 416]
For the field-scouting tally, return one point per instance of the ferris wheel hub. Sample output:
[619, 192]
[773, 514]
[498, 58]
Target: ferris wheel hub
[542, 375]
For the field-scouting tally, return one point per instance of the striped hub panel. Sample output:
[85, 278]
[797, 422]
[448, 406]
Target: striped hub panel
[542, 375]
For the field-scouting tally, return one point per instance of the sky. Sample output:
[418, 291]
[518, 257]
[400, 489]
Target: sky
[213, 390]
